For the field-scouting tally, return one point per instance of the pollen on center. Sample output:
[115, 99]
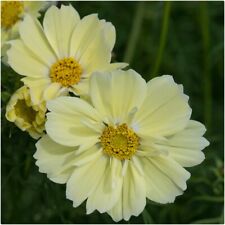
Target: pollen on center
[120, 142]
[10, 13]
[66, 71]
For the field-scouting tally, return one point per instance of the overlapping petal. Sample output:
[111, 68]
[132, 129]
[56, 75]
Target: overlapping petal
[165, 109]
[68, 125]
[185, 147]
[58, 28]
[121, 93]
[54, 159]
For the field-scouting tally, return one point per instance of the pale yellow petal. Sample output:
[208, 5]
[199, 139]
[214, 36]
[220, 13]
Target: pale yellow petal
[24, 62]
[58, 28]
[108, 191]
[54, 159]
[165, 109]
[85, 179]
[87, 155]
[109, 34]
[37, 87]
[83, 35]
[81, 88]
[67, 125]
[185, 146]
[121, 93]
[172, 169]
[52, 91]
[34, 38]
[33, 7]
[96, 55]
[134, 193]
[160, 188]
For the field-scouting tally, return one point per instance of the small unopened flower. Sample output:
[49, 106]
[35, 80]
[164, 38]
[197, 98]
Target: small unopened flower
[12, 13]
[24, 114]
[61, 56]
[128, 143]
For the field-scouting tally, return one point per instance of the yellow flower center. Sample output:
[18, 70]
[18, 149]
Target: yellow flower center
[120, 142]
[10, 13]
[24, 111]
[66, 71]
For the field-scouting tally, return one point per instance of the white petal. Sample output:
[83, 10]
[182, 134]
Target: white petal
[108, 191]
[24, 62]
[34, 38]
[117, 93]
[160, 188]
[84, 180]
[65, 121]
[54, 159]
[165, 110]
[58, 28]
[185, 146]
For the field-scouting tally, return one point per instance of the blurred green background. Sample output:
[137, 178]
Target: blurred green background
[184, 39]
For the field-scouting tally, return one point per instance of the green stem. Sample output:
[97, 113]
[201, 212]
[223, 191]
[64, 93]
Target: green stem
[136, 28]
[163, 37]
[207, 89]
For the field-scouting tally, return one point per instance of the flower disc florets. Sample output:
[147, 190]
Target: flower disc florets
[120, 142]
[66, 71]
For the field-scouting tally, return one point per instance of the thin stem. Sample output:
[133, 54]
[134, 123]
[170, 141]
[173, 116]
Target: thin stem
[163, 37]
[207, 89]
[136, 28]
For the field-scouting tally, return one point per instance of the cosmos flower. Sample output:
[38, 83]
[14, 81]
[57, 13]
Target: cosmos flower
[12, 13]
[61, 56]
[24, 114]
[128, 143]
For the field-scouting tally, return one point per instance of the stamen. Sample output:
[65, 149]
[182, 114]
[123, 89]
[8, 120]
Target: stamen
[66, 71]
[10, 13]
[120, 142]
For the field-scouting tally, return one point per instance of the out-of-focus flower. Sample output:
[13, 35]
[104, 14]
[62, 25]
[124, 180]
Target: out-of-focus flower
[24, 114]
[131, 141]
[12, 13]
[61, 56]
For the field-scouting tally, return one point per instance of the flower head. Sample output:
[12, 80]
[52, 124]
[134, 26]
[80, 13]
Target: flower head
[24, 114]
[61, 56]
[12, 13]
[129, 142]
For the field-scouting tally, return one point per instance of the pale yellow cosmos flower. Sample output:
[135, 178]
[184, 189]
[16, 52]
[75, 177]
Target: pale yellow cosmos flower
[24, 114]
[61, 56]
[12, 13]
[128, 143]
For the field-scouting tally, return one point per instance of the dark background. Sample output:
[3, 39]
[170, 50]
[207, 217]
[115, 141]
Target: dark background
[184, 39]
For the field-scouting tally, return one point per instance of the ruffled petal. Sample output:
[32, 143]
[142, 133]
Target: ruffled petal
[159, 187]
[133, 196]
[172, 170]
[54, 159]
[165, 109]
[58, 28]
[108, 191]
[84, 180]
[120, 95]
[185, 146]
[72, 121]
